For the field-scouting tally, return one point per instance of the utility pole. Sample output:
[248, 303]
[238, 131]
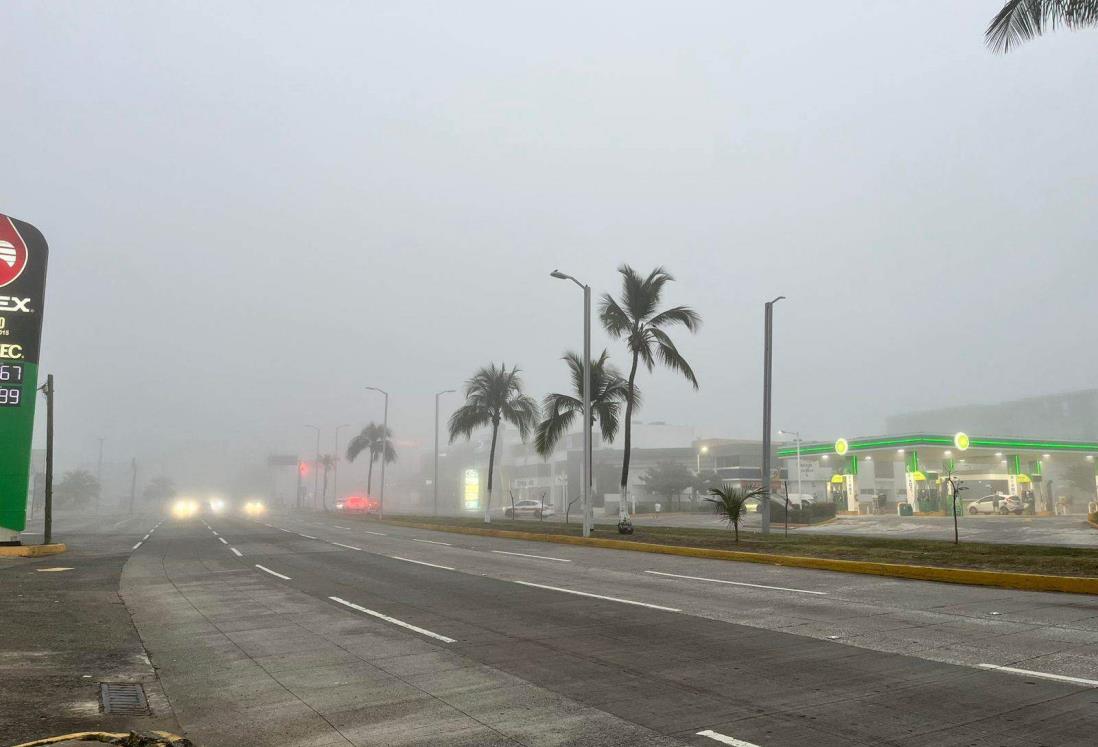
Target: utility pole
[623, 516]
[768, 329]
[133, 483]
[47, 389]
[434, 481]
[335, 464]
[316, 465]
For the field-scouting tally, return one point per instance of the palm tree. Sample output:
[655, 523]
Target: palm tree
[637, 319]
[1022, 20]
[608, 391]
[492, 396]
[374, 438]
[728, 503]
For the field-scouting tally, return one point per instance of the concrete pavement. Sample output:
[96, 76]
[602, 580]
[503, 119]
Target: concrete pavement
[588, 646]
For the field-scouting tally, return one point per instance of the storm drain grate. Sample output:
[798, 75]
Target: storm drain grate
[126, 698]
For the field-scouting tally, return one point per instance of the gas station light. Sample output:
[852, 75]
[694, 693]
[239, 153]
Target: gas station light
[998, 453]
[948, 452]
[899, 451]
[1046, 456]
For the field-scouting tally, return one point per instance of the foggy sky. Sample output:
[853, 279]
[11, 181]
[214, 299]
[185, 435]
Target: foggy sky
[257, 209]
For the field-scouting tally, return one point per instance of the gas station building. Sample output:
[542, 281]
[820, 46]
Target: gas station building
[868, 475]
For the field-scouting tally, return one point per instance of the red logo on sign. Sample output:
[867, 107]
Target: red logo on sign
[13, 252]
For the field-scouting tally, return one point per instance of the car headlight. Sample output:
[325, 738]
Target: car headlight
[217, 505]
[184, 508]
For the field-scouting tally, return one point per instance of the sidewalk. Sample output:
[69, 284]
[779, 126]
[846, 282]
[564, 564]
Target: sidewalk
[64, 632]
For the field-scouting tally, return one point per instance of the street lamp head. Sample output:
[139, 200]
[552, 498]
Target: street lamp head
[779, 298]
[447, 391]
[559, 275]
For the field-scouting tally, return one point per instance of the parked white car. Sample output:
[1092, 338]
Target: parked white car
[996, 503]
[528, 508]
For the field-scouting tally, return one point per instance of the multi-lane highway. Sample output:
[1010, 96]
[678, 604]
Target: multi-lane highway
[319, 630]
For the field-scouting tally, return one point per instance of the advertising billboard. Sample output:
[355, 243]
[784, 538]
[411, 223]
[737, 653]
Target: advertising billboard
[23, 254]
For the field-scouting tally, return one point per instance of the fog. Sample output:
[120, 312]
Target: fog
[255, 210]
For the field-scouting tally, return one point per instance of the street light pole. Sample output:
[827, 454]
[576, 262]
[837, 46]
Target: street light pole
[797, 436]
[316, 465]
[335, 464]
[587, 450]
[768, 329]
[384, 444]
[434, 481]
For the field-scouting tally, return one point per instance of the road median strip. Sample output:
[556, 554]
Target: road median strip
[970, 576]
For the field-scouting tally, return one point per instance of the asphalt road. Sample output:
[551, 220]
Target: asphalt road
[326, 630]
[1024, 530]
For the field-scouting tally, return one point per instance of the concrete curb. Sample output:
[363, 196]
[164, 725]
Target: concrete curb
[32, 551]
[971, 576]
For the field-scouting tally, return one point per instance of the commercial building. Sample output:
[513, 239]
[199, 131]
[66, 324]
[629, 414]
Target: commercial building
[868, 474]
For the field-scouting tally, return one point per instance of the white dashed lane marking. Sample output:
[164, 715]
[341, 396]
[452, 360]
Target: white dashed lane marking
[393, 620]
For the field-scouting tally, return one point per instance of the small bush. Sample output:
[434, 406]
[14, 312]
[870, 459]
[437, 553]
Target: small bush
[1093, 518]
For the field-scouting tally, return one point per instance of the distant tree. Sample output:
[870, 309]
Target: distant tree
[608, 391]
[668, 479]
[77, 488]
[705, 481]
[494, 395]
[375, 439]
[1021, 20]
[637, 319]
[728, 504]
[159, 489]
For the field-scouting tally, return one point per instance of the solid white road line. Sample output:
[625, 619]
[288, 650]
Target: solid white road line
[736, 583]
[420, 562]
[222, 540]
[600, 596]
[379, 534]
[725, 739]
[273, 573]
[349, 547]
[1044, 675]
[236, 552]
[432, 542]
[524, 555]
[138, 545]
[306, 536]
[393, 620]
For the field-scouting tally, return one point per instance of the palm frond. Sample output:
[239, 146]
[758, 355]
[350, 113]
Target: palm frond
[671, 357]
[683, 315]
[1019, 21]
[560, 412]
[614, 319]
[466, 419]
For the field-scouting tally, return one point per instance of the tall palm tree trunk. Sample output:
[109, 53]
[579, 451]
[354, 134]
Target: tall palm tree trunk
[370, 477]
[491, 472]
[623, 496]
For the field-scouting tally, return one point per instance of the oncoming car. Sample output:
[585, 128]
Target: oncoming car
[254, 507]
[185, 508]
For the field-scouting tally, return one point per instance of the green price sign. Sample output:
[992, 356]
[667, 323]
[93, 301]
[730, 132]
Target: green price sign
[23, 254]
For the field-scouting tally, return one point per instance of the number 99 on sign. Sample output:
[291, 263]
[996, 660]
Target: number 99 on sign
[10, 397]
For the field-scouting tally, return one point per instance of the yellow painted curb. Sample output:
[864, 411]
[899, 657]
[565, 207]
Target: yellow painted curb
[98, 736]
[972, 576]
[32, 551]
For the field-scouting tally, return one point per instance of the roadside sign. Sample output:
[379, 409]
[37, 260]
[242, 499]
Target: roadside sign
[23, 254]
